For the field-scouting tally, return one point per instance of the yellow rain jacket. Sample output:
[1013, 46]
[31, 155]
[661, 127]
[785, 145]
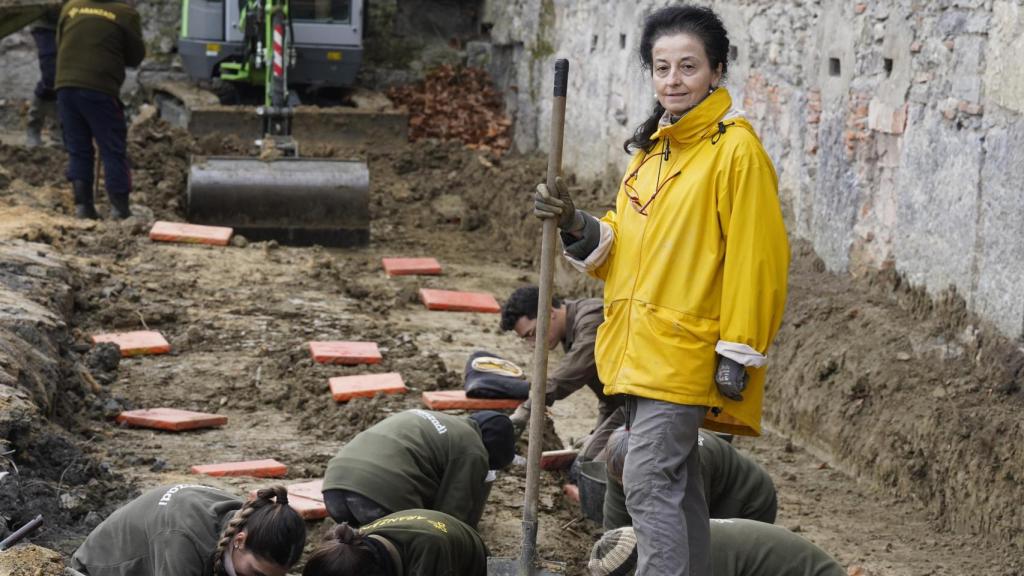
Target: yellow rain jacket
[707, 265]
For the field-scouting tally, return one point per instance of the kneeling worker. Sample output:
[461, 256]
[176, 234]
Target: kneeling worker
[574, 323]
[738, 548]
[734, 486]
[193, 529]
[418, 459]
[412, 542]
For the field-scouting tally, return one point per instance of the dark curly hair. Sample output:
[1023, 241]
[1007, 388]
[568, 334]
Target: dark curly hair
[696, 20]
[523, 302]
[346, 551]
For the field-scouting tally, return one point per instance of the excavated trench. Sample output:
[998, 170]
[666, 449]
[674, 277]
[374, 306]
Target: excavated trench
[901, 413]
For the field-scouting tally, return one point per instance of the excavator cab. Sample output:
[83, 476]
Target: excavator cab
[221, 35]
[277, 44]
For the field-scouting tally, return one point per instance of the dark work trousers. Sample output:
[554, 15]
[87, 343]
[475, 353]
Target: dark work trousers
[355, 509]
[44, 99]
[46, 50]
[664, 488]
[88, 115]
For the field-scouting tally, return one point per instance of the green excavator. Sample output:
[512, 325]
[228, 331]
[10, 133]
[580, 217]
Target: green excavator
[276, 44]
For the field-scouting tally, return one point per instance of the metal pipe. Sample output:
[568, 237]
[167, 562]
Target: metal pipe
[538, 385]
[20, 533]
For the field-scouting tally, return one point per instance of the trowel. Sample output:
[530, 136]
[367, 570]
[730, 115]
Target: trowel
[528, 564]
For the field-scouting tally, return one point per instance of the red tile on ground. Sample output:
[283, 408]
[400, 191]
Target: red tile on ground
[257, 468]
[345, 388]
[313, 490]
[457, 400]
[411, 266]
[190, 233]
[136, 343]
[572, 492]
[349, 353]
[557, 459]
[306, 498]
[308, 509]
[171, 419]
[458, 301]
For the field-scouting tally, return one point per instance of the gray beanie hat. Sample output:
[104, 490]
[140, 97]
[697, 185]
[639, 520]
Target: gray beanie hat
[614, 554]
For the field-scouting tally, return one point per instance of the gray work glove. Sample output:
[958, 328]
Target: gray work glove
[520, 419]
[558, 205]
[730, 378]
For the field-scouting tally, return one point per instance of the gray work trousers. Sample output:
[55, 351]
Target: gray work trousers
[664, 489]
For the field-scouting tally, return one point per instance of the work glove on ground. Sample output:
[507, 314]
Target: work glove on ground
[558, 205]
[730, 378]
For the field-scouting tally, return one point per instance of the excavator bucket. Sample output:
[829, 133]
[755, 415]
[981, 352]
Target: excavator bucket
[296, 201]
[373, 120]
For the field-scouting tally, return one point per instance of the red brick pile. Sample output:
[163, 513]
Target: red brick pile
[456, 103]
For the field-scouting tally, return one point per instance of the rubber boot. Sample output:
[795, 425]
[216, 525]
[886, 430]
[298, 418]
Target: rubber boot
[84, 207]
[119, 208]
[33, 137]
[36, 120]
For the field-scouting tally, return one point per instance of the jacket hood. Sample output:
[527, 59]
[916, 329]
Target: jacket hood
[702, 121]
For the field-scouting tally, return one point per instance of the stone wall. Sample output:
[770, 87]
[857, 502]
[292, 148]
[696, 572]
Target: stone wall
[895, 125]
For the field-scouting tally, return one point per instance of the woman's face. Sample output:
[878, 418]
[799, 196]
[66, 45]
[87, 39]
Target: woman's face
[681, 72]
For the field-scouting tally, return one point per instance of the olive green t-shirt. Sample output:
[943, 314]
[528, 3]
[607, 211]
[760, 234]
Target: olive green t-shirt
[96, 39]
[415, 459]
[749, 548]
[432, 543]
[168, 531]
[734, 485]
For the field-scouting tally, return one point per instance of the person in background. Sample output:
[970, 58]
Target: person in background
[44, 97]
[96, 40]
[574, 324]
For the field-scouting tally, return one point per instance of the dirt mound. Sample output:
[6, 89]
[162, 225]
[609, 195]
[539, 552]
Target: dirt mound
[159, 154]
[908, 392]
[437, 187]
[31, 560]
[457, 104]
[36, 166]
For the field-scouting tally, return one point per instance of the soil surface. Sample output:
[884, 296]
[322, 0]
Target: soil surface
[239, 317]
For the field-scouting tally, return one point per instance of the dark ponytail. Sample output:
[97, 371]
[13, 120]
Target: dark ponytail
[346, 552]
[273, 530]
[696, 20]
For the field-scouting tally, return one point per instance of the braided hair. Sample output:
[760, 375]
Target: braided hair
[346, 551]
[274, 531]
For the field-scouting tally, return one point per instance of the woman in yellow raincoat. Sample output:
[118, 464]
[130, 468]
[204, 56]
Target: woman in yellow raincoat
[694, 260]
